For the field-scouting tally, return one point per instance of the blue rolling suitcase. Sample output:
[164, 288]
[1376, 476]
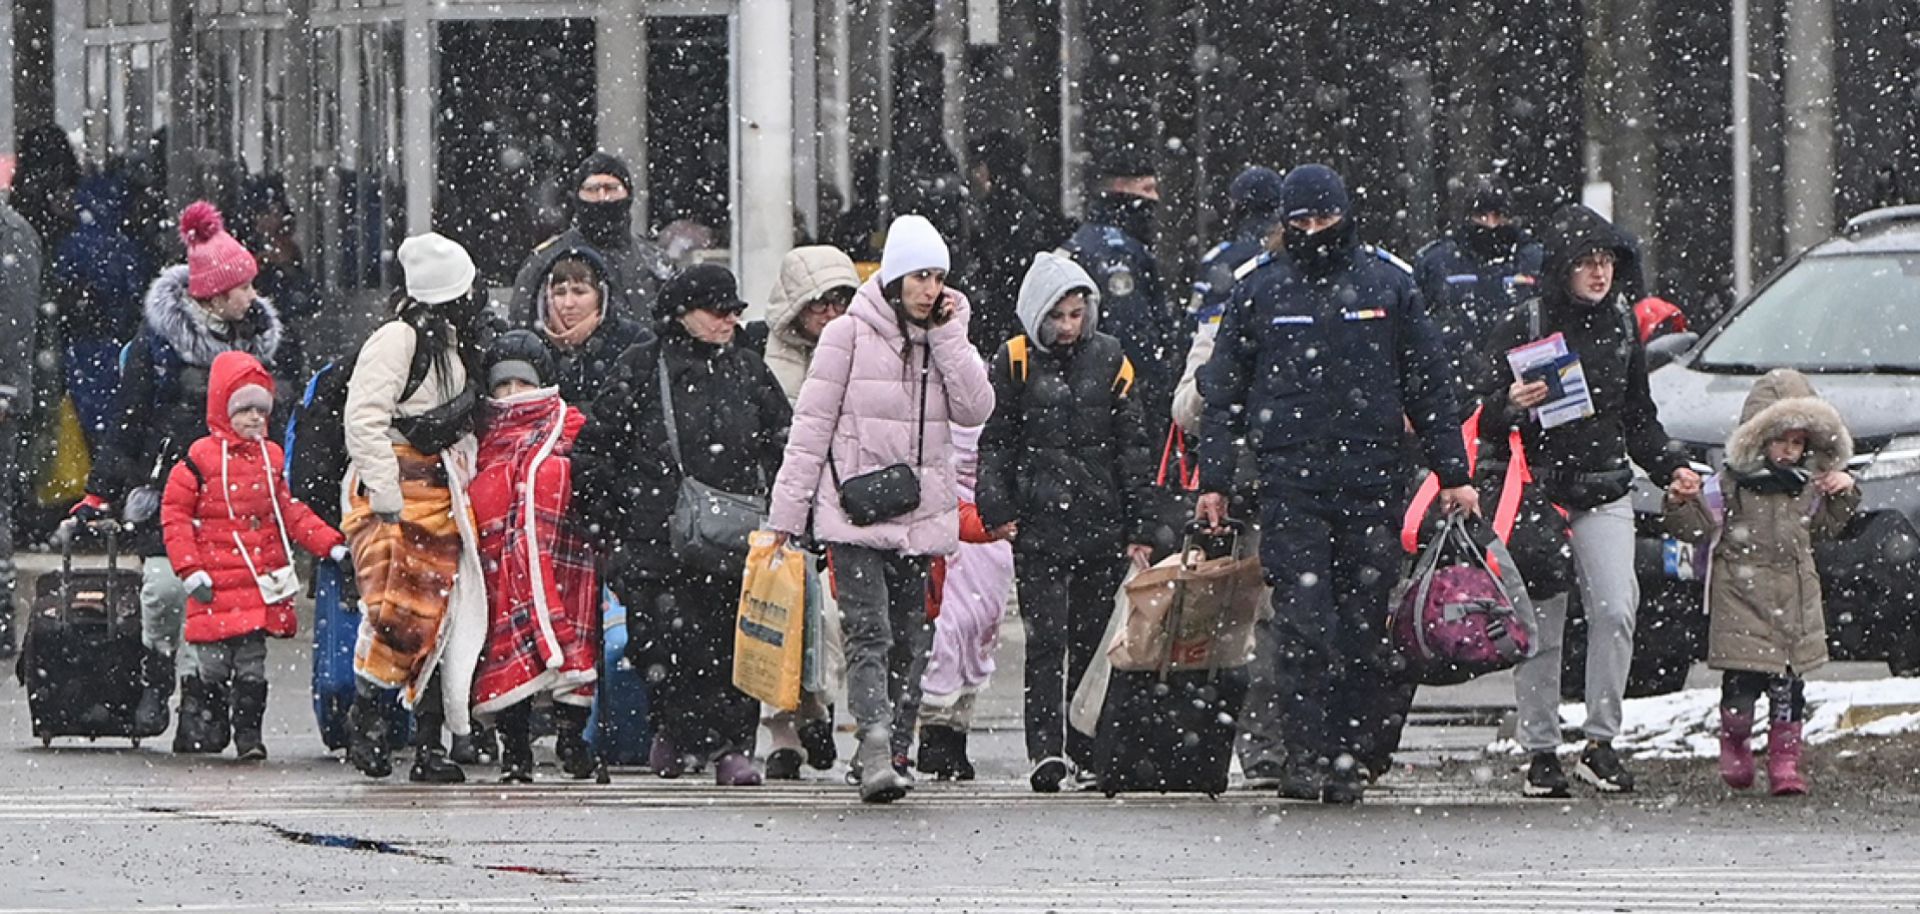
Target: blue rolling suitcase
[336, 625]
[621, 696]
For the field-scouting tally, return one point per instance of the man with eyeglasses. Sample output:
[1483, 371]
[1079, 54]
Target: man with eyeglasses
[1323, 356]
[1586, 468]
[603, 221]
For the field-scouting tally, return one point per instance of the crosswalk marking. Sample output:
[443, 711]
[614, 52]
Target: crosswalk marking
[1773, 889]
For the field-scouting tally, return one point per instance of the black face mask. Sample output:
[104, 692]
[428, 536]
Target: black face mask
[604, 223]
[1490, 243]
[1133, 214]
[1322, 250]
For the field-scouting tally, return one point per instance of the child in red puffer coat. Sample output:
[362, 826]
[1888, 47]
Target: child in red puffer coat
[229, 525]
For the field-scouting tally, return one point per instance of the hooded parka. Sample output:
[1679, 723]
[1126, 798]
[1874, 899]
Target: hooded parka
[805, 274]
[1066, 452]
[222, 511]
[1763, 592]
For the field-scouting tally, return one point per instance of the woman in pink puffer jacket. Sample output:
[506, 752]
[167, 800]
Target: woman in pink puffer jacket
[884, 384]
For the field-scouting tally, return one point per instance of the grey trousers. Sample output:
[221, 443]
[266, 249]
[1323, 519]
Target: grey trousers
[883, 605]
[10, 483]
[237, 659]
[163, 613]
[1603, 567]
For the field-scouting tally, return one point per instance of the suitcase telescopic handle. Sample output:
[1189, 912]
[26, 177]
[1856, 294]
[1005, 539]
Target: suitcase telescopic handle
[112, 529]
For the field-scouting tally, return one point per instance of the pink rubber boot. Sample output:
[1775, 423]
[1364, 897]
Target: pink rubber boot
[1783, 760]
[1736, 748]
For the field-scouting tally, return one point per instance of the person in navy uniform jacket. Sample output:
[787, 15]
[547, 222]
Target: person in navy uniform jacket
[1478, 273]
[1323, 358]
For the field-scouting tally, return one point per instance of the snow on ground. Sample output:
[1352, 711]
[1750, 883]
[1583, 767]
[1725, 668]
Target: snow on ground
[1684, 724]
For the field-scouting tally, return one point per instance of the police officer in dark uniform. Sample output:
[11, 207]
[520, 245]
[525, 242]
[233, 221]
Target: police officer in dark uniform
[1255, 198]
[1322, 359]
[1112, 246]
[1476, 274]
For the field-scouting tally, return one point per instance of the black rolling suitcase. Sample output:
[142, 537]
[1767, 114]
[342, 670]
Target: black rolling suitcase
[1172, 732]
[81, 662]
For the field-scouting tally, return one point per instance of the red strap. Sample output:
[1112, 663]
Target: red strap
[1518, 476]
[1188, 476]
[1430, 487]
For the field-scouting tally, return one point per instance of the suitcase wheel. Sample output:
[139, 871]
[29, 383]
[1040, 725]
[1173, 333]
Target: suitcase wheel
[46, 742]
[136, 742]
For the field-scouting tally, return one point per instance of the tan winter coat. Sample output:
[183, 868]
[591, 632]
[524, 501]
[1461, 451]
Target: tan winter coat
[1763, 593]
[805, 274]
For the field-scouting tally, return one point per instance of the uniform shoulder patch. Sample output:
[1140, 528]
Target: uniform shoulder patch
[1218, 249]
[1120, 283]
[1388, 257]
[550, 242]
[1241, 271]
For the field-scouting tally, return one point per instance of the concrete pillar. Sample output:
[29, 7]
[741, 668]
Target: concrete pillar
[620, 52]
[70, 61]
[950, 39]
[1635, 166]
[416, 131]
[763, 194]
[806, 117]
[1809, 103]
[183, 106]
[299, 159]
[834, 83]
[6, 78]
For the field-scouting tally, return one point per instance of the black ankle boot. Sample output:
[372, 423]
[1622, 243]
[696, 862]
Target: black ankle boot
[963, 763]
[367, 734]
[939, 752]
[151, 716]
[481, 747]
[816, 736]
[577, 758]
[249, 714]
[203, 718]
[430, 762]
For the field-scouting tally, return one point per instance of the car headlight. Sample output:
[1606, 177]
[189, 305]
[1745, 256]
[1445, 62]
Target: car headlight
[1901, 457]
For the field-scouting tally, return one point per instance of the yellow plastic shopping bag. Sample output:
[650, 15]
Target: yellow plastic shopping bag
[63, 477]
[769, 656]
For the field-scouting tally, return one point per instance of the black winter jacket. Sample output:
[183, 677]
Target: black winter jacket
[1066, 453]
[732, 419]
[1625, 424]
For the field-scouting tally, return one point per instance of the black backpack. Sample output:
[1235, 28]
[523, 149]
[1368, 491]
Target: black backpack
[316, 439]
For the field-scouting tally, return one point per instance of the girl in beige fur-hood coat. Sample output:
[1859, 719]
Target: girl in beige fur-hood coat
[1762, 591]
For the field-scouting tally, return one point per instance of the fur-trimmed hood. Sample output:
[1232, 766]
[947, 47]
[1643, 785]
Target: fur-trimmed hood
[196, 335]
[1780, 402]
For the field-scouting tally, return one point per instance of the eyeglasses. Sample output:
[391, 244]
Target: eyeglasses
[1595, 261]
[824, 305]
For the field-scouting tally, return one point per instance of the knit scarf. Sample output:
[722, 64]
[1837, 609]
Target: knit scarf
[574, 336]
[1773, 480]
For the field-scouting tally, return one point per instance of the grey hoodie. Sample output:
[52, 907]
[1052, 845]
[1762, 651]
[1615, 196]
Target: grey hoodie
[1048, 280]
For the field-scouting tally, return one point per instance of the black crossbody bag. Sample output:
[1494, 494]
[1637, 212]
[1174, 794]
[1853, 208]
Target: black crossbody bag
[894, 491]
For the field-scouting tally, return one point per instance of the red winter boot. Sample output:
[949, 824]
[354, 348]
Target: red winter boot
[1783, 760]
[1736, 748]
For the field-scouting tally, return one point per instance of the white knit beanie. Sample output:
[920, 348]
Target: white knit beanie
[912, 244]
[437, 268]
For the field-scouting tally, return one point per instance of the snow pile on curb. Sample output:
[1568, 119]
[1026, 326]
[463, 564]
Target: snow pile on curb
[1685, 724]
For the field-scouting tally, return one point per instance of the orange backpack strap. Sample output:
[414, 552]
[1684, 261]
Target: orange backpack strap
[1123, 381]
[1512, 488]
[1017, 358]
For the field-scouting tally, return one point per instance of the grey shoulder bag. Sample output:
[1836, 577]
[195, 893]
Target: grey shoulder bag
[709, 527]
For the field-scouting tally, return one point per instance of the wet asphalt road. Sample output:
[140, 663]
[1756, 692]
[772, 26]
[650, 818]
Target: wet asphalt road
[103, 827]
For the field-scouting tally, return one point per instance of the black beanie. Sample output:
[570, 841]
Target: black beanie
[1313, 190]
[603, 163]
[513, 353]
[1489, 194]
[707, 286]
